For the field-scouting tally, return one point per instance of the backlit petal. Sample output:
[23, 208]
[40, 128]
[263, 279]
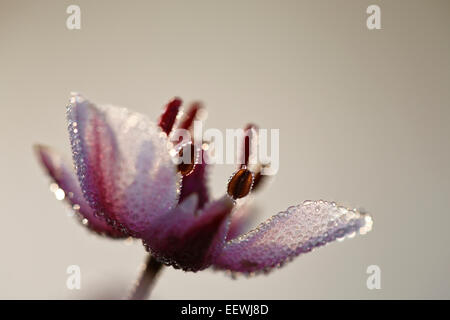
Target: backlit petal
[67, 185]
[123, 165]
[297, 230]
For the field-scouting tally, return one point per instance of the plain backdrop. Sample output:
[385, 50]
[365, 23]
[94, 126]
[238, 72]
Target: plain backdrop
[363, 118]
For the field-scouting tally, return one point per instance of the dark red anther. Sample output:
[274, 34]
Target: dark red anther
[190, 116]
[240, 184]
[169, 116]
[187, 167]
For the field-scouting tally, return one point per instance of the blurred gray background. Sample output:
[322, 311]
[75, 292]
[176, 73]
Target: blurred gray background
[363, 118]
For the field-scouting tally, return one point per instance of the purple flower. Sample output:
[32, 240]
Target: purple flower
[125, 183]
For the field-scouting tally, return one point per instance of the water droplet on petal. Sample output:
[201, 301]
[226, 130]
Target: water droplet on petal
[60, 194]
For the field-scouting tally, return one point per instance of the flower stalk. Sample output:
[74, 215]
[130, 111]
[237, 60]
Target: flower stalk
[144, 284]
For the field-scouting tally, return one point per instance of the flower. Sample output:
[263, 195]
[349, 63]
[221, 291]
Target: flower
[125, 183]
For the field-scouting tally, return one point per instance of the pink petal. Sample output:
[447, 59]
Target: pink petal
[290, 233]
[64, 176]
[189, 239]
[123, 164]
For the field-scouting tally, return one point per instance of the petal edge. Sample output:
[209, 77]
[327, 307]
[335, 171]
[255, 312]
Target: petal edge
[64, 176]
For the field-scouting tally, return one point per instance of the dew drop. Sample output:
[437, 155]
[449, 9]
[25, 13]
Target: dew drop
[60, 194]
[54, 187]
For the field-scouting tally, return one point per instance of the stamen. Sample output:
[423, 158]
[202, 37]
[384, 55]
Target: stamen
[169, 116]
[240, 184]
[186, 168]
[248, 131]
[190, 116]
[244, 181]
